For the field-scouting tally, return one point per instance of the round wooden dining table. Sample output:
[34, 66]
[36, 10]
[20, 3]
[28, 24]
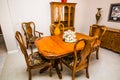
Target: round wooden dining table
[54, 48]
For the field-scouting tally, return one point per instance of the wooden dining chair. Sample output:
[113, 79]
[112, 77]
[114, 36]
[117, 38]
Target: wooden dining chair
[34, 60]
[96, 30]
[30, 33]
[79, 60]
[56, 29]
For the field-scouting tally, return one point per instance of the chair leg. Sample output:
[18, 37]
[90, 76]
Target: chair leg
[87, 73]
[73, 75]
[97, 56]
[29, 72]
[31, 48]
[26, 44]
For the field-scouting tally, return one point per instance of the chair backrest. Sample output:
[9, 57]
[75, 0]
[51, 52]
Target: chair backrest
[81, 58]
[20, 40]
[96, 30]
[29, 29]
[56, 29]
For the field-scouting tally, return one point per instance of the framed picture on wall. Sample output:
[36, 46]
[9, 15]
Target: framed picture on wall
[114, 12]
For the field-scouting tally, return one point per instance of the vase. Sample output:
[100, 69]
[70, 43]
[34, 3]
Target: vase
[98, 15]
[63, 1]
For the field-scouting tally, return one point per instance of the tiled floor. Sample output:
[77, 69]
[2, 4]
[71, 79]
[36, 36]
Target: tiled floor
[106, 68]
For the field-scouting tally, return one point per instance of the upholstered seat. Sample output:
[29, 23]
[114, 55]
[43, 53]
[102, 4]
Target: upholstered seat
[35, 59]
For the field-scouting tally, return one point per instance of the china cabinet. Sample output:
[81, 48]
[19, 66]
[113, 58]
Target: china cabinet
[63, 13]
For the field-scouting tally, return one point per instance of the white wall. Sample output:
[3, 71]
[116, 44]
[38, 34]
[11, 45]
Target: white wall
[14, 12]
[91, 10]
[7, 27]
[31, 10]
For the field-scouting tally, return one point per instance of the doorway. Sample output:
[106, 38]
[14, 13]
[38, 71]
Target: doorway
[3, 50]
[2, 43]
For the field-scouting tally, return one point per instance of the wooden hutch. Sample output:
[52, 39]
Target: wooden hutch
[63, 13]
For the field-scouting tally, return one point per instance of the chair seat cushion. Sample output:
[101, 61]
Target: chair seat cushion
[69, 60]
[35, 59]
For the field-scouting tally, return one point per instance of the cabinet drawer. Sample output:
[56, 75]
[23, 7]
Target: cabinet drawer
[106, 40]
[115, 45]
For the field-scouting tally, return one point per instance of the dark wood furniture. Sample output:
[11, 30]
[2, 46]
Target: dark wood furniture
[111, 39]
[30, 33]
[97, 31]
[80, 59]
[63, 13]
[54, 48]
[34, 60]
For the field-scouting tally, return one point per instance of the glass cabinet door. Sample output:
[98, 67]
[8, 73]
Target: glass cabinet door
[63, 13]
[55, 17]
[66, 14]
[72, 16]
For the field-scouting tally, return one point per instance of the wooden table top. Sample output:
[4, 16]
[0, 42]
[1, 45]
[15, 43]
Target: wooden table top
[53, 47]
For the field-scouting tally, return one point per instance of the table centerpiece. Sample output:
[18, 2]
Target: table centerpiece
[69, 36]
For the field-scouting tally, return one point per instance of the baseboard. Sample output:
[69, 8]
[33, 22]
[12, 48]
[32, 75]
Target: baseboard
[13, 51]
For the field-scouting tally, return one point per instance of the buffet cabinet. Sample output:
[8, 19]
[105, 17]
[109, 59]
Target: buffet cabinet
[111, 39]
[63, 13]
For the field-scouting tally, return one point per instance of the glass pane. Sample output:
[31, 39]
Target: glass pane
[62, 13]
[72, 16]
[66, 16]
[56, 15]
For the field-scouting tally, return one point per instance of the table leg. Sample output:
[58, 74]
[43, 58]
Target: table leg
[57, 62]
[58, 71]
